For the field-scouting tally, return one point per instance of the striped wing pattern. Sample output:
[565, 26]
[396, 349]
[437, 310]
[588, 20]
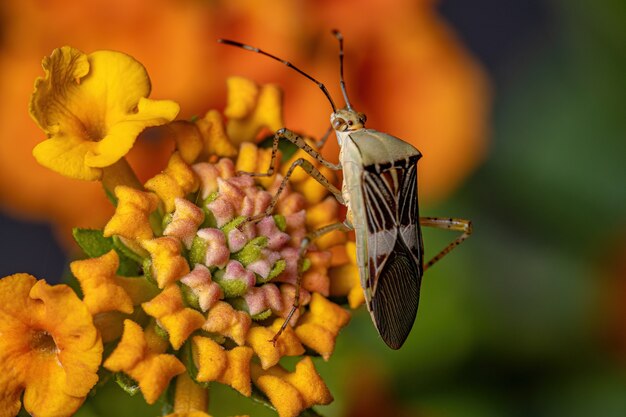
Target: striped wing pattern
[394, 247]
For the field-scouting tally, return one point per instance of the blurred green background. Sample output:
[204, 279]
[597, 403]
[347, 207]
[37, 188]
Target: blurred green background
[527, 318]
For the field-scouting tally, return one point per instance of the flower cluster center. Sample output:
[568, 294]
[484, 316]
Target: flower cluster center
[43, 342]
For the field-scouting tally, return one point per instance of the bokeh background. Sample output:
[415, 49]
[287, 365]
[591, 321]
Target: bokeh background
[519, 109]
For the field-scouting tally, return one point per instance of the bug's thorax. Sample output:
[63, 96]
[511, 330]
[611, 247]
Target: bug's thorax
[346, 120]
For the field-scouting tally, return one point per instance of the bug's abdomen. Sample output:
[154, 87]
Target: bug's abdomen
[394, 247]
[395, 301]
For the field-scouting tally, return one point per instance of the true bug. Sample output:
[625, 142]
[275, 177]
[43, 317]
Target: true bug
[380, 192]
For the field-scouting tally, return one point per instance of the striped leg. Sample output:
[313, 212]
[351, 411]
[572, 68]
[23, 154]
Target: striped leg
[320, 143]
[300, 143]
[304, 244]
[458, 225]
[309, 169]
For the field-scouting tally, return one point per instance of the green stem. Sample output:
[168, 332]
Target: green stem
[120, 173]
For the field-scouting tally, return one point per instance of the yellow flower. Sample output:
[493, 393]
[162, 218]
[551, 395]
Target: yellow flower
[243, 272]
[177, 180]
[214, 137]
[250, 108]
[168, 265]
[291, 393]
[322, 214]
[226, 321]
[131, 218]
[345, 280]
[230, 367]
[318, 328]
[98, 281]
[179, 321]
[251, 158]
[92, 107]
[269, 354]
[49, 348]
[153, 371]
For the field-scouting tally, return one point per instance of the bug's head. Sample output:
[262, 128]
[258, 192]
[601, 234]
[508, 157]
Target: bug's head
[346, 120]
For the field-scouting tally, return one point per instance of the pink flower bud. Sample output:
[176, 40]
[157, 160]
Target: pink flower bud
[277, 239]
[207, 291]
[236, 271]
[261, 298]
[222, 210]
[208, 175]
[236, 240]
[217, 253]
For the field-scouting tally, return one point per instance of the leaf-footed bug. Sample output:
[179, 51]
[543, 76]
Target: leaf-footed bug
[380, 192]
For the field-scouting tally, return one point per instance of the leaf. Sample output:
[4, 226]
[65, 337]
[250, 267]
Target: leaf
[286, 148]
[92, 242]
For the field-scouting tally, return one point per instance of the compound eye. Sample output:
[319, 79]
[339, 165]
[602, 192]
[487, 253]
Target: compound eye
[338, 123]
[362, 118]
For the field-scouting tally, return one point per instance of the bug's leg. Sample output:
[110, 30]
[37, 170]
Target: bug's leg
[304, 244]
[300, 143]
[309, 169]
[320, 143]
[270, 169]
[458, 225]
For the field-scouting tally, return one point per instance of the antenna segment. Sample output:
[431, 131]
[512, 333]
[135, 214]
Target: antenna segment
[339, 37]
[289, 64]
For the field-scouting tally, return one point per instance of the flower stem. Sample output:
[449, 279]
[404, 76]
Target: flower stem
[120, 173]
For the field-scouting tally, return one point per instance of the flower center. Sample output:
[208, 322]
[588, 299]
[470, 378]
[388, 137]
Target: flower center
[43, 342]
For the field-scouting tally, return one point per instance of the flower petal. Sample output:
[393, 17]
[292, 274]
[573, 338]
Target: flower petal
[319, 327]
[168, 264]
[122, 135]
[214, 137]
[251, 108]
[92, 108]
[230, 367]
[291, 393]
[153, 371]
[49, 346]
[131, 218]
[170, 311]
[98, 282]
[226, 321]
[177, 180]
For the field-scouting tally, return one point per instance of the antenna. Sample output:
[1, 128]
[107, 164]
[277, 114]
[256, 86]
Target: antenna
[289, 64]
[339, 37]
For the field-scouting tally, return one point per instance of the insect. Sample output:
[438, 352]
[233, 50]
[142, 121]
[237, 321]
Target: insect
[380, 192]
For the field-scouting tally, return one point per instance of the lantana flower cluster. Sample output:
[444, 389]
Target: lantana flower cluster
[179, 287]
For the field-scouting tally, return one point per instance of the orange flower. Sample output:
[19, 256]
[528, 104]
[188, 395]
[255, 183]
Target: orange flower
[49, 348]
[99, 284]
[292, 392]
[179, 321]
[269, 353]
[230, 367]
[153, 371]
[177, 180]
[131, 219]
[319, 327]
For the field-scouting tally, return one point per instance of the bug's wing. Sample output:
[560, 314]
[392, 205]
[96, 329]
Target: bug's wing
[394, 247]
